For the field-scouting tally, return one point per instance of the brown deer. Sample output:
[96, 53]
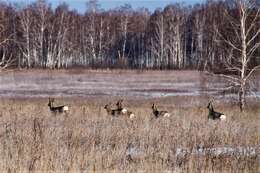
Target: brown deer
[213, 114]
[110, 111]
[158, 113]
[124, 111]
[119, 105]
[57, 109]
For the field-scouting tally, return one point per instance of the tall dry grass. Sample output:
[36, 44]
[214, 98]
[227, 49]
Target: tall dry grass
[88, 140]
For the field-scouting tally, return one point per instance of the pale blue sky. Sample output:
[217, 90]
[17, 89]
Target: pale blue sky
[80, 5]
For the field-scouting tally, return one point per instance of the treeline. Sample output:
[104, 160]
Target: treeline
[176, 37]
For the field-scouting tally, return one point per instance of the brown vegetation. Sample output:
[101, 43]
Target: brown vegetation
[88, 140]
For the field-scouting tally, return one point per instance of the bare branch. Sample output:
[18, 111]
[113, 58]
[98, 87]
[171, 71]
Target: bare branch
[228, 42]
[253, 49]
[253, 22]
[234, 25]
[252, 71]
[253, 37]
[229, 78]
[5, 63]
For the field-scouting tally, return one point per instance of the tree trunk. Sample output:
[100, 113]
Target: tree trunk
[242, 98]
[244, 60]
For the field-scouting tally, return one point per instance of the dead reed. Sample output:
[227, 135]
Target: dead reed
[88, 140]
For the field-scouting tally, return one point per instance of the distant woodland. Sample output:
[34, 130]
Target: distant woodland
[176, 37]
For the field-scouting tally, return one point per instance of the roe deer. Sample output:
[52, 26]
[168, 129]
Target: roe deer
[113, 112]
[124, 111]
[57, 109]
[213, 114]
[158, 113]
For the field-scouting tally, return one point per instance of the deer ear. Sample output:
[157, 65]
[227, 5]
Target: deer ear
[119, 101]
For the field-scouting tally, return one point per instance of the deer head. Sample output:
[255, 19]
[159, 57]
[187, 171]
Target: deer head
[210, 106]
[107, 106]
[51, 100]
[154, 107]
[119, 104]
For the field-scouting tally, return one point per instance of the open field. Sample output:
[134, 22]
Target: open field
[88, 140]
[121, 83]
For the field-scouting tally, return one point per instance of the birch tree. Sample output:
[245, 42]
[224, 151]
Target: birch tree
[199, 25]
[242, 43]
[157, 40]
[5, 39]
[58, 43]
[25, 45]
[92, 7]
[43, 14]
[124, 22]
[175, 20]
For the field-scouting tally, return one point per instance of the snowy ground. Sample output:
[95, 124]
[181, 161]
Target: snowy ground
[85, 83]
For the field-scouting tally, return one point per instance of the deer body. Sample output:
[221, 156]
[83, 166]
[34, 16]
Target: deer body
[158, 113]
[215, 115]
[124, 111]
[57, 109]
[113, 112]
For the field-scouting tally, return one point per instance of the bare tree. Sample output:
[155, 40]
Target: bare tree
[174, 19]
[157, 39]
[42, 27]
[59, 47]
[199, 25]
[25, 46]
[124, 22]
[92, 10]
[173, 37]
[241, 44]
[5, 62]
[5, 38]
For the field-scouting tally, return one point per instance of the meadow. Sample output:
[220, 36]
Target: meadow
[87, 139]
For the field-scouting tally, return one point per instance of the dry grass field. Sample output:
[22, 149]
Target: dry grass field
[87, 139]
